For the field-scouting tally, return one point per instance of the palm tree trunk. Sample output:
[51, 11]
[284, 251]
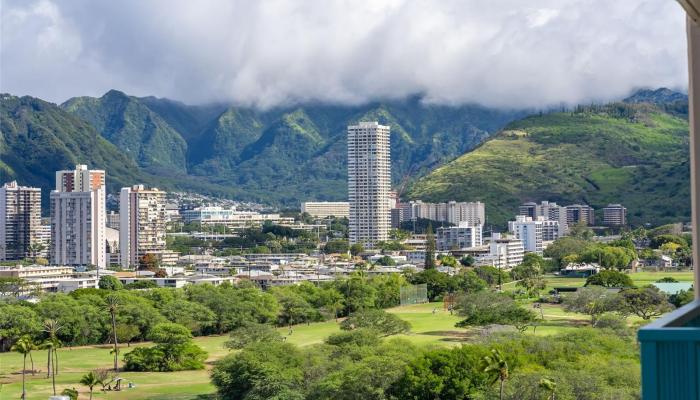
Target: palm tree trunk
[48, 364]
[116, 346]
[501, 393]
[90, 393]
[55, 361]
[24, 371]
[53, 376]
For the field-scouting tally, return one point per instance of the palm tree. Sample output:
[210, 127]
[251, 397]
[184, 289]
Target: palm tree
[90, 380]
[24, 346]
[51, 327]
[548, 385]
[35, 248]
[112, 306]
[496, 366]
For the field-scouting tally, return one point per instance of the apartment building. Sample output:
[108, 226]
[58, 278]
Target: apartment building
[614, 215]
[473, 213]
[458, 237]
[112, 220]
[580, 214]
[551, 211]
[20, 221]
[78, 214]
[369, 182]
[504, 252]
[530, 231]
[325, 209]
[142, 223]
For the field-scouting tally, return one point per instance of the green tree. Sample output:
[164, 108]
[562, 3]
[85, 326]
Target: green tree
[261, 371]
[610, 279]
[252, 332]
[667, 279]
[51, 328]
[356, 249]
[90, 380]
[336, 246]
[429, 262]
[467, 261]
[593, 301]
[174, 351]
[198, 318]
[549, 386]
[108, 282]
[16, 321]
[24, 346]
[496, 366]
[386, 261]
[384, 323]
[646, 302]
[112, 304]
[529, 276]
[485, 308]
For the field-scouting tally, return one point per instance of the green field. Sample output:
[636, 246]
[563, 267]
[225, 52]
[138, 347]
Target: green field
[430, 325]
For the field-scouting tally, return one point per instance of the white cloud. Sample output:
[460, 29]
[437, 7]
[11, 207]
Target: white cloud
[494, 52]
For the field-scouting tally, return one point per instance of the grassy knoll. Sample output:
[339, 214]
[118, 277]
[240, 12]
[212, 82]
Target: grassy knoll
[428, 328]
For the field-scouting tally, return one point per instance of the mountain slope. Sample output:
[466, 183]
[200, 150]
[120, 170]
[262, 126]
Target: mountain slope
[283, 155]
[38, 138]
[634, 154]
[141, 133]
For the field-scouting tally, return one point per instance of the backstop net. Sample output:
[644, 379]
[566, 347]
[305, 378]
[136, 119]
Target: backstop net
[414, 294]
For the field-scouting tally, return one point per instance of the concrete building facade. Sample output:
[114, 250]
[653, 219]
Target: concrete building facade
[473, 213]
[580, 214]
[78, 214]
[142, 223]
[369, 182]
[614, 215]
[325, 209]
[20, 221]
[458, 237]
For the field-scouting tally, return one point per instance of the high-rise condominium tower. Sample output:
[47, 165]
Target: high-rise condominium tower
[369, 182]
[20, 220]
[78, 211]
[142, 223]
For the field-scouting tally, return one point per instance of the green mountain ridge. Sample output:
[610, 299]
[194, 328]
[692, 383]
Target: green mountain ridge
[634, 154]
[38, 138]
[279, 156]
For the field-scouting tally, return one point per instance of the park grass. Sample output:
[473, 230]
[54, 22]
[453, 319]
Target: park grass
[431, 325]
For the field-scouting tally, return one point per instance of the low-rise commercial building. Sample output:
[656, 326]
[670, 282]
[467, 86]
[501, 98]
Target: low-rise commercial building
[325, 209]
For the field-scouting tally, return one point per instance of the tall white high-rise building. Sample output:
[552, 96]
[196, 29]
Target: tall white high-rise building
[142, 223]
[78, 213]
[369, 182]
[20, 220]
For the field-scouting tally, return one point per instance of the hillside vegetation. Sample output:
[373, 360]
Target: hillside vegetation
[634, 154]
[283, 155]
[38, 138]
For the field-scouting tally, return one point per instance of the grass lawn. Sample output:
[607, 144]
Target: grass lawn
[428, 328]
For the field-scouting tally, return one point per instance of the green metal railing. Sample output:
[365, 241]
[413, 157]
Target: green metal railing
[671, 355]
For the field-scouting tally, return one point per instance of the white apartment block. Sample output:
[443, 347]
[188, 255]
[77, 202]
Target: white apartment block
[551, 211]
[458, 237]
[505, 252]
[325, 209]
[112, 220]
[78, 213]
[614, 215]
[531, 231]
[453, 212]
[231, 218]
[20, 220]
[142, 223]
[369, 182]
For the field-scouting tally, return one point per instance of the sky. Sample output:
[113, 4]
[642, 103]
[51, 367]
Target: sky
[500, 53]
